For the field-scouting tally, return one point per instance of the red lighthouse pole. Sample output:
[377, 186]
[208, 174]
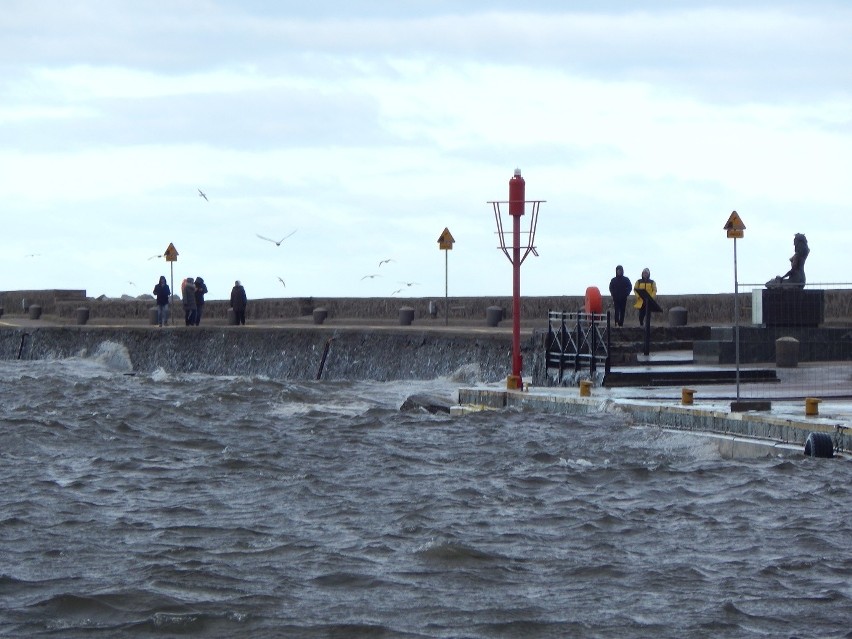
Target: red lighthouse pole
[517, 205]
[517, 200]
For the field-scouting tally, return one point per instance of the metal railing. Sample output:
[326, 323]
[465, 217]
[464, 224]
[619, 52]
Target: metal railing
[577, 341]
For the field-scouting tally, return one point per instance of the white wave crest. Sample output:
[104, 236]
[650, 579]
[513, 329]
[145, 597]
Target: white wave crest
[113, 356]
[160, 375]
[467, 374]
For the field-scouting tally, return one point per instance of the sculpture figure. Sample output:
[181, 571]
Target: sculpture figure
[795, 277]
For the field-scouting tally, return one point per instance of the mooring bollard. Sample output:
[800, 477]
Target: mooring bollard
[786, 352]
[812, 406]
[686, 396]
[153, 316]
[319, 315]
[493, 315]
[82, 314]
[677, 316]
[406, 316]
[35, 311]
[585, 388]
[232, 317]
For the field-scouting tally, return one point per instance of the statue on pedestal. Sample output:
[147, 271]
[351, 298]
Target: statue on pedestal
[795, 277]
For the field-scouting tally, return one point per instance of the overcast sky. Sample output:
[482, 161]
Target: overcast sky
[367, 127]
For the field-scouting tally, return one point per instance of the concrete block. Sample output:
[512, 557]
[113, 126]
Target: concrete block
[786, 352]
[493, 315]
[406, 316]
[677, 316]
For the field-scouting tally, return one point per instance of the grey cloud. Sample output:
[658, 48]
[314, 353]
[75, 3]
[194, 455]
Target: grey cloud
[780, 48]
[249, 120]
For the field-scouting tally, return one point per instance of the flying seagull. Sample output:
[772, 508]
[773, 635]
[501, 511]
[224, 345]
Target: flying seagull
[282, 282]
[154, 257]
[385, 262]
[409, 283]
[370, 276]
[399, 290]
[278, 243]
[201, 194]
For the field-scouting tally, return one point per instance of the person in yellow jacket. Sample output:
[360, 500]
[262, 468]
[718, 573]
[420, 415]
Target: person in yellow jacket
[645, 283]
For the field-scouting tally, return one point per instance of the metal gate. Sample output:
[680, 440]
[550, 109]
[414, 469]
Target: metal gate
[577, 341]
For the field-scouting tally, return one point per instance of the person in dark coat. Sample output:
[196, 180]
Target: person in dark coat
[239, 302]
[620, 288]
[163, 294]
[200, 291]
[189, 306]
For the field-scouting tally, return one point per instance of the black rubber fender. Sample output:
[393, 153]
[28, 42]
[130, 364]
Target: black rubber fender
[819, 445]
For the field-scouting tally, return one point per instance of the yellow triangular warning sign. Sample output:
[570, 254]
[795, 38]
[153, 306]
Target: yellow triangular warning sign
[171, 253]
[445, 242]
[734, 226]
[734, 223]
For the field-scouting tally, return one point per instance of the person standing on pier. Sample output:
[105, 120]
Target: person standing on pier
[644, 284]
[619, 289]
[200, 291]
[189, 306]
[239, 303]
[163, 294]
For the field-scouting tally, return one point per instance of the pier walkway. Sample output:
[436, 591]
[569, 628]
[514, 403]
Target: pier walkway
[783, 428]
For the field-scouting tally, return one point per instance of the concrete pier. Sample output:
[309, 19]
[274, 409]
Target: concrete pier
[783, 429]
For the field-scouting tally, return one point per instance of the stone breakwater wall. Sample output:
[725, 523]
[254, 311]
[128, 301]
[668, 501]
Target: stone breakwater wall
[709, 309]
[280, 353]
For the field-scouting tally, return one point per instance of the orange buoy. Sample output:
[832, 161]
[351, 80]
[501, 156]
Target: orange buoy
[594, 304]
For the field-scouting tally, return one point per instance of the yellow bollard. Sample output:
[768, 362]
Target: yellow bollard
[686, 396]
[812, 406]
[585, 388]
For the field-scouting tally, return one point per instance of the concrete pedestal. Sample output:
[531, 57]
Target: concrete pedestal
[319, 315]
[35, 311]
[793, 306]
[82, 315]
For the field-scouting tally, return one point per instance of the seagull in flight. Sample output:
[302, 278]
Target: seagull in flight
[385, 262]
[282, 282]
[399, 290]
[409, 283]
[154, 257]
[278, 243]
[202, 194]
[369, 277]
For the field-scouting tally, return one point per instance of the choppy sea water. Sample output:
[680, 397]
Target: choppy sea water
[144, 505]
